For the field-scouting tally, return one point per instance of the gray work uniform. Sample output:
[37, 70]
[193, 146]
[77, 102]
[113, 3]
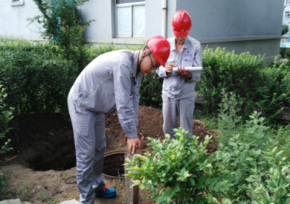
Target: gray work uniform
[108, 83]
[177, 91]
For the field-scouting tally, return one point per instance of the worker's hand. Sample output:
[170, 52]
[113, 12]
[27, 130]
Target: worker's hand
[184, 73]
[132, 144]
[169, 68]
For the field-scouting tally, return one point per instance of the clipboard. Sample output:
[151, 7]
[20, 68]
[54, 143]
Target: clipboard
[191, 69]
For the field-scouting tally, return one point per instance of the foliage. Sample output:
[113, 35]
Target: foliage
[284, 29]
[5, 117]
[287, 53]
[36, 75]
[234, 73]
[150, 91]
[265, 89]
[256, 169]
[275, 186]
[249, 166]
[273, 91]
[39, 77]
[63, 25]
[176, 169]
[281, 136]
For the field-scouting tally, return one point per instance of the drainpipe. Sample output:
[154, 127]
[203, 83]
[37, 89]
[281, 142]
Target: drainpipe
[164, 19]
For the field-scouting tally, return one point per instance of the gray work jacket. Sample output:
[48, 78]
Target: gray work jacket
[108, 83]
[176, 86]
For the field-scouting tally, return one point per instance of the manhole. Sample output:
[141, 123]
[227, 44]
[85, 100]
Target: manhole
[113, 165]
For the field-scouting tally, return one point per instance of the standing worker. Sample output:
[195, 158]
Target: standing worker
[178, 89]
[110, 82]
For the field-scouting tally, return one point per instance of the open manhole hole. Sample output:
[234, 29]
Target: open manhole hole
[114, 165]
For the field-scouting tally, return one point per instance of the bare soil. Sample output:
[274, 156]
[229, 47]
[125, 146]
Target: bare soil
[42, 166]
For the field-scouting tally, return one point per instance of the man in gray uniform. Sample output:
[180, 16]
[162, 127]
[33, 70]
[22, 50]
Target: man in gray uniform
[111, 81]
[178, 89]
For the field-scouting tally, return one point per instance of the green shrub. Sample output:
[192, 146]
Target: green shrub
[265, 89]
[36, 82]
[287, 53]
[282, 51]
[176, 170]
[37, 76]
[271, 185]
[284, 29]
[255, 168]
[5, 117]
[273, 92]
[234, 73]
[151, 91]
[282, 138]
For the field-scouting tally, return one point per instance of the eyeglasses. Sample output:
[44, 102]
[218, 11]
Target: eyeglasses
[153, 66]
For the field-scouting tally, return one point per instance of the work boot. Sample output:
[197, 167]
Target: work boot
[106, 192]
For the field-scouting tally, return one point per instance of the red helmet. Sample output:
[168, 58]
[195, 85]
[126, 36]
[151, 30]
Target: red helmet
[160, 48]
[181, 23]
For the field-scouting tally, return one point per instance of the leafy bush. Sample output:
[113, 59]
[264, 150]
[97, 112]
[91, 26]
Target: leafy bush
[272, 185]
[5, 117]
[256, 170]
[284, 29]
[265, 89]
[249, 166]
[176, 170]
[234, 73]
[287, 53]
[36, 82]
[273, 92]
[151, 91]
[37, 77]
[282, 51]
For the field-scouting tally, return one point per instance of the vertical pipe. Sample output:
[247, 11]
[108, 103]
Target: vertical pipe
[164, 19]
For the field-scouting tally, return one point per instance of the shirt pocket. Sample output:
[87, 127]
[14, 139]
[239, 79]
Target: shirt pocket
[187, 62]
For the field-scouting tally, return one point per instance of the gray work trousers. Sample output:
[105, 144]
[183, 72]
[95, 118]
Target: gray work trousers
[172, 108]
[90, 146]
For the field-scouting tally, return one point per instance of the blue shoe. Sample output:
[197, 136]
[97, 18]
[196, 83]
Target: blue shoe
[106, 192]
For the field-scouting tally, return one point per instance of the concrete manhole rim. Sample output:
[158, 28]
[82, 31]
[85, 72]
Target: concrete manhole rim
[109, 154]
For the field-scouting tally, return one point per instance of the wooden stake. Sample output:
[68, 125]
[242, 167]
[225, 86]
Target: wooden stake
[132, 193]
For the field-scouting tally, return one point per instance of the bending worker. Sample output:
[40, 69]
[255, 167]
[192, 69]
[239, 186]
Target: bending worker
[178, 89]
[111, 81]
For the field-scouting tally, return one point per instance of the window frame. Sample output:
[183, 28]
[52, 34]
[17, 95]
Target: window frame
[131, 5]
[287, 15]
[17, 2]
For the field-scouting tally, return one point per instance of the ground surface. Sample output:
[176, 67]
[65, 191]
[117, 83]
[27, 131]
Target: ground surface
[43, 159]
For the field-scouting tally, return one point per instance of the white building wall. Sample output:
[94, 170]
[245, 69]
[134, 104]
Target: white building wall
[13, 20]
[247, 25]
[286, 13]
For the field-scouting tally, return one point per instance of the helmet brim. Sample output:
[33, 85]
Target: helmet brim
[181, 34]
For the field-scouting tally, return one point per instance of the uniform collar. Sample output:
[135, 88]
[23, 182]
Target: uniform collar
[185, 44]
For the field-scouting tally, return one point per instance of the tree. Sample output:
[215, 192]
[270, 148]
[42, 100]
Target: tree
[62, 24]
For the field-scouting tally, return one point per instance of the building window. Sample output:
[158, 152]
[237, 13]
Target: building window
[130, 18]
[287, 15]
[17, 2]
[287, 2]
